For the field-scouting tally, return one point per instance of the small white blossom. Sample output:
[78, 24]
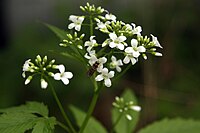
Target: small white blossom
[116, 63]
[102, 26]
[90, 44]
[135, 50]
[44, 84]
[136, 30]
[129, 57]
[110, 17]
[27, 67]
[116, 41]
[105, 75]
[76, 22]
[101, 61]
[155, 41]
[64, 76]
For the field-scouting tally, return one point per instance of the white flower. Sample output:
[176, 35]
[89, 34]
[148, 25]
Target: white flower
[117, 42]
[102, 26]
[105, 75]
[129, 57]
[116, 63]
[101, 61]
[27, 67]
[90, 43]
[28, 80]
[44, 84]
[110, 17]
[135, 50]
[76, 22]
[136, 30]
[155, 41]
[64, 76]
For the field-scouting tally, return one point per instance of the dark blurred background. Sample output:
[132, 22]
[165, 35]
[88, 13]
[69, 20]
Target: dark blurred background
[167, 86]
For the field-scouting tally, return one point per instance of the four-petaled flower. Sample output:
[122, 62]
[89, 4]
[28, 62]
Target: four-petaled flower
[90, 44]
[76, 22]
[105, 75]
[64, 76]
[116, 63]
[116, 41]
[110, 17]
[136, 30]
[135, 49]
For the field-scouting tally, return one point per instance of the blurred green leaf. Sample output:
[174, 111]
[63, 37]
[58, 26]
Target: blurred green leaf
[124, 125]
[173, 126]
[59, 32]
[93, 125]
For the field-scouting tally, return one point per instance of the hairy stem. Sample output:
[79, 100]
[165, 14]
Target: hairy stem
[61, 108]
[91, 108]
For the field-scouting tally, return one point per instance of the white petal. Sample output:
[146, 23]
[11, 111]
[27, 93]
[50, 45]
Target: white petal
[126, 60]
[80, 19]
[122, 38]
[78, 27]
[136, 54]
[133, 61]
[104, 71]
[118, 69]
[65, 81]
[73, 18]
[68, 75]
[155, 41]
[129, 50]
[112, 44]
[71, 26]
[119, 62]
[134, 43]
[57, 76]
[113, 36]
[111, 74]
[99, 78]
[27, 81]
[120, 46]
[107, 82]
[102, 60]
[141, 49]
[113, 58]
[61, 68]
[23, 75]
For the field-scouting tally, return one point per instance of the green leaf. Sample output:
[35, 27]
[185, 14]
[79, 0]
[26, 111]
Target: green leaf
[32, 115]
[45, 125]
[16, 122]
[177, 125]
[29, 107]
[59, 32]
[124, 125]
[93, 125]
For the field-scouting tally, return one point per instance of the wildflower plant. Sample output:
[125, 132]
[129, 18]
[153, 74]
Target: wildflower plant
[104, 61]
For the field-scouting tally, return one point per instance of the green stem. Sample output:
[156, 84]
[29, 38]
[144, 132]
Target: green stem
[63, 126]
[116, 122]
[91, 25]
[91, 108]
[61, 108]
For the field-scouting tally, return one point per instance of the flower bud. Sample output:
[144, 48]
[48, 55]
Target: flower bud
[44, 84]
[28, 80]
[38, 58]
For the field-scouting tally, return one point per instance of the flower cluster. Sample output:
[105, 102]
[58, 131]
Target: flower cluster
[125, 107]
[124, 43]
[44, 68]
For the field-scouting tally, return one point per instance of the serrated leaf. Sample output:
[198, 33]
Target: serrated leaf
[93, 125]
[16, 122]
[29, 107]
[177, 125]
[124, 125]
[59, 32]
[45, 125]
